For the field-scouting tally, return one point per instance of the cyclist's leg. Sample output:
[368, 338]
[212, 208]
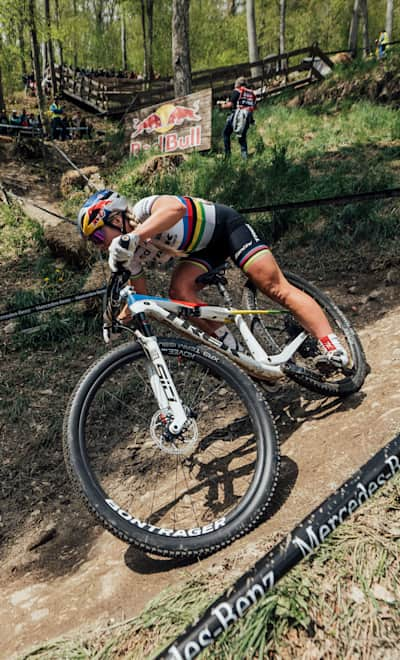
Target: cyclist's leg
[268, 277]
[184, 287]
[255, 259]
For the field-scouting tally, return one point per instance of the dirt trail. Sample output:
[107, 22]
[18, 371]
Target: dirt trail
[100, 580]
[26, 181]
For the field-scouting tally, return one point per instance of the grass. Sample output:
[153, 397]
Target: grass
[343, 601]
[297, 154]
[14, 243]
[32, 277]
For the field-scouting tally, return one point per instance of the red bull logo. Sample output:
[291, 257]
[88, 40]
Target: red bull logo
[165, 118]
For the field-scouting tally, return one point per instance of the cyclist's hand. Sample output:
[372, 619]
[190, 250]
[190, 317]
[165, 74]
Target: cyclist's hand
[119, 255]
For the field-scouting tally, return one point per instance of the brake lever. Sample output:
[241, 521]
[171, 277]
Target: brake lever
[114, 286]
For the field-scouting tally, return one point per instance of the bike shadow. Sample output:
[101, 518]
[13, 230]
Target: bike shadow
[148, 564]
[293, 407]
[290, 409]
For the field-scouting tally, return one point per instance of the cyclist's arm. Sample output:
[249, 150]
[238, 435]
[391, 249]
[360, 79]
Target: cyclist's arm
[165, 213]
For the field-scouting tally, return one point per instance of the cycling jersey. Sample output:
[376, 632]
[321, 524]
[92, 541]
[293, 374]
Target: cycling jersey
[208, 233]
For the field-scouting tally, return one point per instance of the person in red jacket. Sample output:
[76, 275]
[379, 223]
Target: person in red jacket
[242, 105]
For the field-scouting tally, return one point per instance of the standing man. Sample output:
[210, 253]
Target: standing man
[383, 41]
[58, 128]
[242, 105]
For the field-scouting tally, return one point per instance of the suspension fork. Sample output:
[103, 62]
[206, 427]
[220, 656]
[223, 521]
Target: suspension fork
[160, 378]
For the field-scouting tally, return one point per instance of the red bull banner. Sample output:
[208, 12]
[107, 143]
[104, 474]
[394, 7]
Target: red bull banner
[183, 124]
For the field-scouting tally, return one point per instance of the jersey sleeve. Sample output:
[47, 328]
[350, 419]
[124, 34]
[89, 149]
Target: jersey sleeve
[134, 265]
[142, 208]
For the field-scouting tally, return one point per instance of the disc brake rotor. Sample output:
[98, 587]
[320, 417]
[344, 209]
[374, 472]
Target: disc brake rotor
[182, 443]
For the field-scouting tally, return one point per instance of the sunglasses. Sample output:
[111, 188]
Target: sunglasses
[97, 237]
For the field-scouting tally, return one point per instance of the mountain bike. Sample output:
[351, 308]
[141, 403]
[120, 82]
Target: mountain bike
[171, 445]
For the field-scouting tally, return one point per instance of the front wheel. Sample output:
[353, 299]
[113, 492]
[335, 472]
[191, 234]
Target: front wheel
[176, 496]
[278, 328]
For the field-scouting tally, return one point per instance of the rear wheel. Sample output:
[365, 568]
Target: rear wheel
[275, 330]
[182, 496]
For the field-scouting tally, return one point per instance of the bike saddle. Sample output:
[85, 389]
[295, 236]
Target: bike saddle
[214, 276]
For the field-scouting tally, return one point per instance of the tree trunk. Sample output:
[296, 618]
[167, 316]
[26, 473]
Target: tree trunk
[144, 33]
[389, 18]
[124, 57]
[21, 41]
[2, 102]
[353, 32]
[252, 37]
[49, 45]
[59, 42]
[36, 60]
[149, 12]
[147, 29]
[364, 12]
[180, 48]
[74, 39]
[282, 25]
[43, 56]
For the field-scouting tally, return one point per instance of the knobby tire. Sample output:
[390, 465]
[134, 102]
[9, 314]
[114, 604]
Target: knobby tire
[302, 368]
[171, 504]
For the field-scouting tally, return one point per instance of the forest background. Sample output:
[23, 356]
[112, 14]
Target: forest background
[137, 34]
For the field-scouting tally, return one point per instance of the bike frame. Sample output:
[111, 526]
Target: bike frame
[175, 313]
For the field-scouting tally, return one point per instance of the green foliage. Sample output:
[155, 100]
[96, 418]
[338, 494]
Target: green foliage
[18, 232]
[52, 329]
[91, 35]
[295, 154]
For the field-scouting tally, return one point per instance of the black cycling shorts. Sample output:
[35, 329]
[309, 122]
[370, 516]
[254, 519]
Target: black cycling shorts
[233, 238]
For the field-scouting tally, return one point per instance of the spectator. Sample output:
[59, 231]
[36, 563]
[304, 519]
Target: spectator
[3, 122]
[33, 122]
[382, 44]
[58, 125]
[29, 83]
[15, 120]
[242, 105]
[23, 119]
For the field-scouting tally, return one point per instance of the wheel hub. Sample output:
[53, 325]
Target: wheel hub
[170, 443]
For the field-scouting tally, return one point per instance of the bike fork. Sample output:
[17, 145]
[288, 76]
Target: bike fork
[162, 384]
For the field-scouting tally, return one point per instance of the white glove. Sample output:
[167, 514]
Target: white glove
[121, 255]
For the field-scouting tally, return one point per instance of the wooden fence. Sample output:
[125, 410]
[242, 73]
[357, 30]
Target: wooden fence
[271, 75]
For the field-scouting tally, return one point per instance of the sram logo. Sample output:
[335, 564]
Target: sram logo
[165, 531]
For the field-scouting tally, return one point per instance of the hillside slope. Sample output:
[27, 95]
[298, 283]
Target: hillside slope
[63, 575]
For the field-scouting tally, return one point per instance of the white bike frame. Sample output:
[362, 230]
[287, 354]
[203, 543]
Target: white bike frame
[258, 364]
